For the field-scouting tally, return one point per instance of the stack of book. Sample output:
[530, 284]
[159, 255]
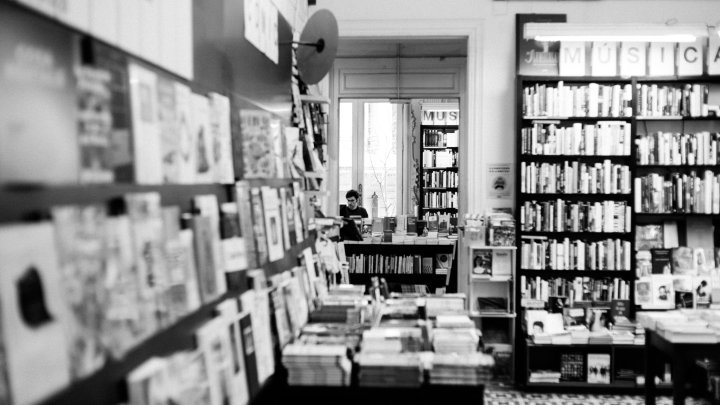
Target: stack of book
[579, 334]
[454, 321]
[622, 337]
[455, 340]
[600, 337]
[389, 370]
[544, 376]
[461, 369]
[324, 364]
[684, 326]
[392, 340]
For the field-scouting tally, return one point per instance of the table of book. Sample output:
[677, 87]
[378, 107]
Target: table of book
[682, 356]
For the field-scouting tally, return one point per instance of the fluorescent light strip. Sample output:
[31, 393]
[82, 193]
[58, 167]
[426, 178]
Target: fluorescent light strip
[614, 32]
[619, 38]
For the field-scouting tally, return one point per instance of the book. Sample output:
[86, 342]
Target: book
[443, 263]
[33, 312]
[202, 136]
[169, 128]
[146, 225]
[182, 293]
[213, 339]
[242, 198]
[95, 125]
[648, 237]
[258, 221]
[147, 383]
[147, 153]
[186, 135]
[234, 254]
[535, 321]
[273, 223]
[598, 368]
[205, 265]
[280, 316]
[221, 137]
[257, 145]
[501, 263]
[237, 370]
[287, 209]
[661, 260]
[642, 291]
[249, 353]
[483, 263]
[80, 237]
[257, 303]
[683, 262]
[28, 154]
[684, 294]
[663, 293]
[206, 205]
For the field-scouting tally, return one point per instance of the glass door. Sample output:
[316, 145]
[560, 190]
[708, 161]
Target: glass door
[371, 154]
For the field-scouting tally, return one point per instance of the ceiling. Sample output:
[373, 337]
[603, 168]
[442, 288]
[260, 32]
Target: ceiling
[415, 47]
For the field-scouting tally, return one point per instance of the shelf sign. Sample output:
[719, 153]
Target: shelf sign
[603, 59]
[633, 58]
[572, 58]
[713, 57]
[536, 57]
[690, 59]
[661, 59]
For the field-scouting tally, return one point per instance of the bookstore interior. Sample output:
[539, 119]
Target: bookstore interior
[538, 186]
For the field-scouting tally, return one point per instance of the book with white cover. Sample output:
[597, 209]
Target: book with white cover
[207, 206]
[33, 313]
[145, 125]
[229, 311]
[187, 137]
[257, 303]
[168, 127]
[148, 382]
[273, 223]
[222, 146]
[213, 338]
[200, 124]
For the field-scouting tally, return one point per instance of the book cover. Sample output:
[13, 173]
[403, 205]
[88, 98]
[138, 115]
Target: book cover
[27, 153]
[80, 236]
[242, 198]
[296, 303]
[186, 135]
[146, 223]
[280, 316]
[702, 287]
[182, 293]
[427, 265]
[200, 125]
[661, 260]
[145, 125]
[213, 339]
[684, 294]
[234, 255]
[663, 292]
[257, 302]
[251, 364]
[207, 205]
[123, 326]
[229, 311]
[169, 127]
[443, 263]
[683, 262]
[572, 367]
[188, 374]
[121, 148]
[205, 265]
[535, 321]
[619, 308]
[411, 224]
[273, 223]
[598, 368]
[501, 263]
[642, 291]
[33, 313]
[257, 144]
[483, 263]
[287, 210]
[148, 382]
[258, 221]
[95, 125]
[301, 229]
[648, 237]
[222, 139]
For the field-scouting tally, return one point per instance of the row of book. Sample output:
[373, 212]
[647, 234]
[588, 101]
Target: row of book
[683, 325]
[581, 216]
[575, 177]
[441, 199]
[669, 291]
[591, 100]
[399, 264]
[440, 138]
[170, 135]
[540, 253]
[655, 100]
[440, 178]
[575, 289]
[603, 138]
[692, 192]
[439, 158]
[678, 149]
[593, 368]
[681, 260]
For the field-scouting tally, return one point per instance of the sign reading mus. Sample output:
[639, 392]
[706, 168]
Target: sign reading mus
[639, 58]
[440, 117]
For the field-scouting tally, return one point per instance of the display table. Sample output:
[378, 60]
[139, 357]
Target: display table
[681, 356]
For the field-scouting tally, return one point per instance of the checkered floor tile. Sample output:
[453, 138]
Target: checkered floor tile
[504, 396]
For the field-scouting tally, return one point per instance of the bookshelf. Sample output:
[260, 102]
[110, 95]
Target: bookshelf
[403, 264]
[491, 300]
[438, 169]
[573, 204]
[265, 87]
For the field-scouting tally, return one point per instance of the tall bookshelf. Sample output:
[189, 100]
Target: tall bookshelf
[438, 169]
[573, 203]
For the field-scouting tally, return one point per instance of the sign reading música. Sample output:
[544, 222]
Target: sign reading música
[536, 57]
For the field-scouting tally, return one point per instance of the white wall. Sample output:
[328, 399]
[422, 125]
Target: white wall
[495, 109]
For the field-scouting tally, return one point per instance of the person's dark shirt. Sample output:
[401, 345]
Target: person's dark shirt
[347, 212]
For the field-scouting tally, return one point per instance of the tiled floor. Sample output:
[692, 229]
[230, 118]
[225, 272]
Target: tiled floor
[504, 396]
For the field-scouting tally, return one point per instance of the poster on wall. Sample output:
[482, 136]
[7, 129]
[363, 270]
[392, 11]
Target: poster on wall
[499, 177]
[538, 58]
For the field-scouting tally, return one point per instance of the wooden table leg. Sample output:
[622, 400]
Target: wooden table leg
[679, 370]
[649, 370]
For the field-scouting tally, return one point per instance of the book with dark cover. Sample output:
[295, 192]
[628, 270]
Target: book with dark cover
[661, 261]
[204, 257]
[483, 263]
[242, 198]
[258, 221]
[411, 224]
[619, 308]
[246, 329]
[572, 367]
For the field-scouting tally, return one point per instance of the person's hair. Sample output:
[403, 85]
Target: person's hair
[352, 193]
[539, 323]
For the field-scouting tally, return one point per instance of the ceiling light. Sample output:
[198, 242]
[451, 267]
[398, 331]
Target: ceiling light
[614, 32]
